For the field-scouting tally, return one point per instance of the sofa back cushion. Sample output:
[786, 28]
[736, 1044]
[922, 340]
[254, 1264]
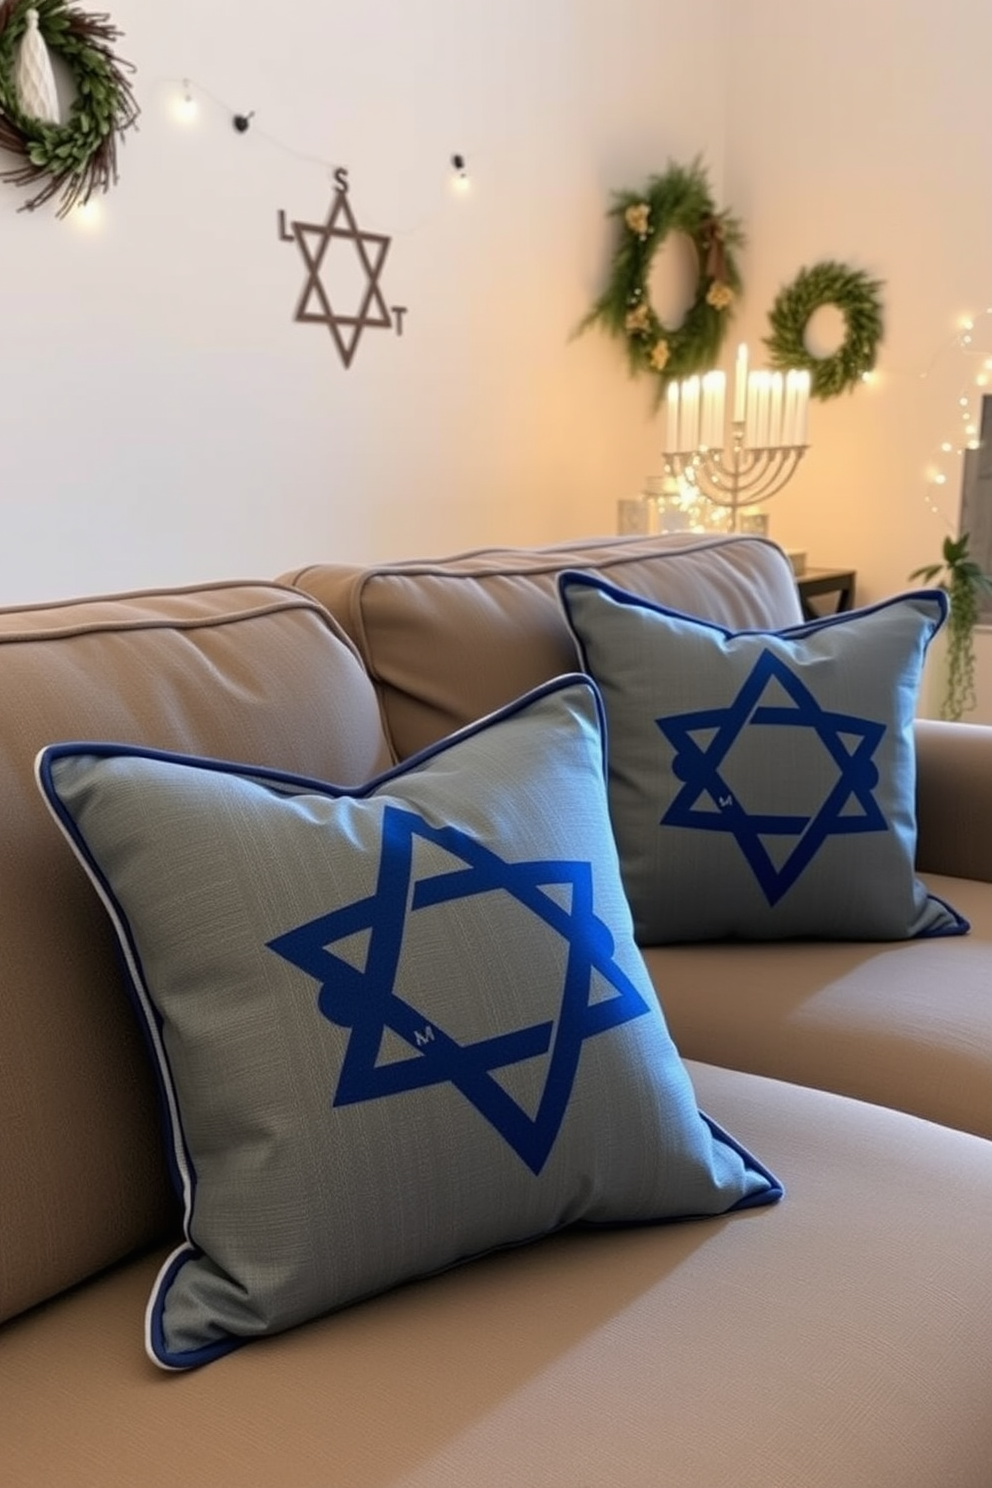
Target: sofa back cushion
[449, 640]
[252, 672]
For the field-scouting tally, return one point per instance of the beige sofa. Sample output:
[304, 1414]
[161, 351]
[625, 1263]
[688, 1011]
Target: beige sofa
[840, 1337]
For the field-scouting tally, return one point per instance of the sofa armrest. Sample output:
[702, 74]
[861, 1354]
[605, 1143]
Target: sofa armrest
[954, 798]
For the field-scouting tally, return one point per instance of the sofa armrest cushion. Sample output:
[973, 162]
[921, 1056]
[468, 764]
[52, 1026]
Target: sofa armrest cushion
[954, 799]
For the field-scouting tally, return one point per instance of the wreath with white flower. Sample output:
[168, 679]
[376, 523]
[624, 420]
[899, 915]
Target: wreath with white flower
[679, 201]
[856, 296]
[78, 156]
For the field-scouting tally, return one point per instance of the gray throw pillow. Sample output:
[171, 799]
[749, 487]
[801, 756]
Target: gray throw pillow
[394, 1027]
[762, 784]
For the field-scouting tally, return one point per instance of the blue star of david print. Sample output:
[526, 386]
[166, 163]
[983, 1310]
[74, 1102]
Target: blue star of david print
[365, 1002]
[699, 765]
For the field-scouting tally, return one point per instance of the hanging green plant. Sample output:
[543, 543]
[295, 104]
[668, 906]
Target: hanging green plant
[75, 158]
[964, 582]
[858, 299]
[677, 202]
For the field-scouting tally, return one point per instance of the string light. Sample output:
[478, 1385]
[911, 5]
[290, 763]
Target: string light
[184, 106]
[969, 400]
[461, 181]
[87, 216]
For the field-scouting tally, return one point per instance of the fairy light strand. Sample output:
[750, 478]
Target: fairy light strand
[187, 92]
[965, 433]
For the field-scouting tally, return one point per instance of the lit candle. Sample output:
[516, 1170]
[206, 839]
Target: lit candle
[789, 419]
[689, 421]
[765, 392]
[775, 412]
[705, 412]
[740, 384]
[714, 404]
[672, 423]
[752, 435]
[802, 406]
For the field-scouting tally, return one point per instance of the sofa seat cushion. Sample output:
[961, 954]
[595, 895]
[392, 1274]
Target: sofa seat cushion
[906, 1024]
[448, 640]
[843, 1338]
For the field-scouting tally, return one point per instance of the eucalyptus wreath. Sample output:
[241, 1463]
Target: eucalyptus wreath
[856, 296]
[678, 201]
[78, 157]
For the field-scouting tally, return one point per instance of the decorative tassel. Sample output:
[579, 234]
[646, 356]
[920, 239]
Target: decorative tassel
[34, 79]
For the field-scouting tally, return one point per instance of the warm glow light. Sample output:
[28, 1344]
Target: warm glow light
[460, 181]
[184, 106]
[740, 384]
[978, 378]
[88, 217]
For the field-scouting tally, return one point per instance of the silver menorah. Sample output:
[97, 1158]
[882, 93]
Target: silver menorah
[742, 463]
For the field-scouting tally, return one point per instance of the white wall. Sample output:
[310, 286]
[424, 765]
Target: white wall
[857, 130]
[163, 418]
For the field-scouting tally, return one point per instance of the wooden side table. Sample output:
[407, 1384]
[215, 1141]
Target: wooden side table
[816, 583]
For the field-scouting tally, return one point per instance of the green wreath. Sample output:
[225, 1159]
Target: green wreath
[858, 299]
[678, 201]
[78, 157]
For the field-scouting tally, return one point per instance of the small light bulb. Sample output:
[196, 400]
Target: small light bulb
[946, 447]
[88, 215]
[461, 181]
[185, 107]
[940, 479]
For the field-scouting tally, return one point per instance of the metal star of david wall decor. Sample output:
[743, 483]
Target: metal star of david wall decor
[341, 232]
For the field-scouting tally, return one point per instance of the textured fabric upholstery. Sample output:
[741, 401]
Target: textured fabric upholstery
[907, 1024]
[448, 641]
[763, 782]
[226, 670]
[954, 798]
[395, 1029]
[842, 1339]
